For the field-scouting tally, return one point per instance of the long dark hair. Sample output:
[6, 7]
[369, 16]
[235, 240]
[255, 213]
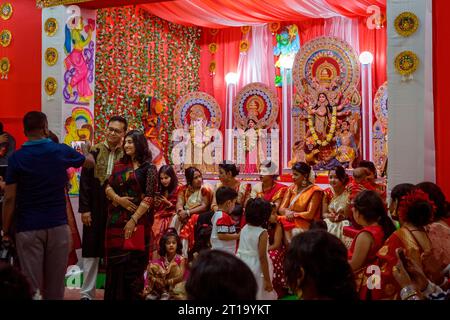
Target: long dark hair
[168, 169]
[303, 168]
[437, 196]
[329, 107]
[372, 208]
[323, 258]
[340, 174]
[220, 276]
[229, 167]
[189, 174]
[143, 153]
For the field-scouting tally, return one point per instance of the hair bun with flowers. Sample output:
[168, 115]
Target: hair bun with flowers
[411, 199]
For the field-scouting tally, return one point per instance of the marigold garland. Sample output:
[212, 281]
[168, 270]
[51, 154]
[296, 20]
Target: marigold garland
[330, 134]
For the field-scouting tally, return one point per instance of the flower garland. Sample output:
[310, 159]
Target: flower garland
[140, 55]
[330, 134]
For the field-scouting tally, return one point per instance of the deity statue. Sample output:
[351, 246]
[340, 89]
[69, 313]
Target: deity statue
[153, 130]
[251, 147]
[200, 134]
[346, 145]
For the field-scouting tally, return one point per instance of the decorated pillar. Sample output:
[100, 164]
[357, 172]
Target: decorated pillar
[410, 87]
[68, 72]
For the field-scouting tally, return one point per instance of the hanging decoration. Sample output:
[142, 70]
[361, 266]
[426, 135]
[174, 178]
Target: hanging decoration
[5, 38]
[6, 10]
[406, 24]
[406, 63]
[51, 27]
[212, 47]
[212, 68]
[274, 27]
[51, 56]
[213, 32]
[50, 86]
[4, 67]
[244, 46]
[139, 55]
[245, 29]
[288, 44]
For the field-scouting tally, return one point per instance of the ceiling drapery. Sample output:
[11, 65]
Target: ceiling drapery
[232, 13]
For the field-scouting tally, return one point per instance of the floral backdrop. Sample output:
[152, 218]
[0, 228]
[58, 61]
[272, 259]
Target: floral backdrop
[140, 55]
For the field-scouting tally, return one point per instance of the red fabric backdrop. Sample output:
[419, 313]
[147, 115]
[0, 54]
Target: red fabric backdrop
[21, 92]
[441, 70]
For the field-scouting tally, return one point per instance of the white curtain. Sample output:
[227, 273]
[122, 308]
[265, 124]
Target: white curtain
[257, 65]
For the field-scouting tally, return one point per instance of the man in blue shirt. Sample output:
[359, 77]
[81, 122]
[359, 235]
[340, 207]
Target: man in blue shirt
[35, 197]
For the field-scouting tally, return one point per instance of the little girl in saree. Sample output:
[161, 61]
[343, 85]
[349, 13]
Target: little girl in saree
[164, 276]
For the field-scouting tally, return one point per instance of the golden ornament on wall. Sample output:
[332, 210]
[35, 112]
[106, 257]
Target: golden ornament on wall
[50, 86]
[51, 26]
[213, 32]
[4, 67]
[6, 11]
[212, 67]
[274, 27]
[245, 29]
[51, 56]
[406, 63]
[406, 24]
[5, 38]
[244, 46]
[212, 48]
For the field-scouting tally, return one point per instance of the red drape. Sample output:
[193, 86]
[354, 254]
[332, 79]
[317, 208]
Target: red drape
[226, 13]
[227, 58]
[374, 41]
[355, 8]
[441, 70]
[21, 92]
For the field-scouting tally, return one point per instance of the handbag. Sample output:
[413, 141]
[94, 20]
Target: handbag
[137, 241]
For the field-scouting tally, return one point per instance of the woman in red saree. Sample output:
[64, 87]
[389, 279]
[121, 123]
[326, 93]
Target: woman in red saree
[369, 212]
[301, 203]
[439, 230]
[165, 205]
[415, 212]
[131, 190]
[273, 192]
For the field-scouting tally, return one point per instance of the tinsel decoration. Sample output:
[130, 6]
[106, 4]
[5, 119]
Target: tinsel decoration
[140, 55]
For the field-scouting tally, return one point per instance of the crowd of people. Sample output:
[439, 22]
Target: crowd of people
[161, 240]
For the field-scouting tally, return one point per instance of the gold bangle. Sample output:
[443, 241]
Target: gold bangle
[134, 219]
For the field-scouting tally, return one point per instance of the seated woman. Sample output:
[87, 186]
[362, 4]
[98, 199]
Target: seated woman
[131, 189]
[301, 203]
[415, 210]
[370, 213]
[193, 199]
[164, 276]
[336, 202]
[316, 267]
[439, 230]
[397, 193]
[165, 204]
[227, 176]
